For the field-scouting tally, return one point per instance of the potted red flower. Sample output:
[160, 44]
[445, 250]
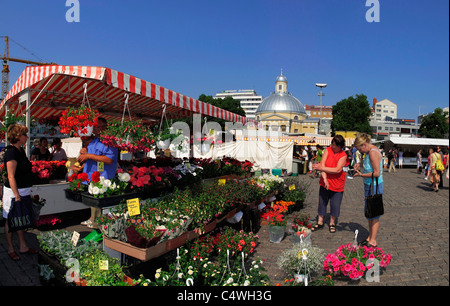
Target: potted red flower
[81, 119]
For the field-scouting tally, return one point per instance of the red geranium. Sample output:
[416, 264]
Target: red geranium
[95, 177]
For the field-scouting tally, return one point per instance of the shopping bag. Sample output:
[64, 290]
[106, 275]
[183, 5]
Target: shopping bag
[440, 165]
[20, 215]
[374, 207]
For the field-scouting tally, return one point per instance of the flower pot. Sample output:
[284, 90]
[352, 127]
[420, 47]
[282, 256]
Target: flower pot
[163, 144]
[126, 156]
[276, 233]
[86, 131]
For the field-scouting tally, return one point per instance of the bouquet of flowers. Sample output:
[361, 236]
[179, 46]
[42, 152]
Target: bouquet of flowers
[353, 261]
[78, 119]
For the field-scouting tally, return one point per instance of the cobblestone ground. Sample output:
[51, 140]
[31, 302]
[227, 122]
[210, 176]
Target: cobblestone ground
[414, 230]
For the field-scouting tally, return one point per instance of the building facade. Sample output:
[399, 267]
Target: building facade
[248, 98]
[283, 112]
[383, 109]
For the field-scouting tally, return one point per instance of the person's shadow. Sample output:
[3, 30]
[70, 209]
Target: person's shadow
[352, 227]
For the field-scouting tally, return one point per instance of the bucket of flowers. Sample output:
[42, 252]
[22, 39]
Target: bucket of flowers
[81, 120]
[274, 214]
[301, 227]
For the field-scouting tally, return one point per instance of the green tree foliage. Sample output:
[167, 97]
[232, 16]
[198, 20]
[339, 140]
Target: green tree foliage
[434, 125]
[352, 114]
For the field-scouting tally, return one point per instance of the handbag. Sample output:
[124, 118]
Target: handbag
[374, 207]
[439, 165]
[20, 215]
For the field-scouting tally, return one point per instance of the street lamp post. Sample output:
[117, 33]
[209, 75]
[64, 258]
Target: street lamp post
[321, 94]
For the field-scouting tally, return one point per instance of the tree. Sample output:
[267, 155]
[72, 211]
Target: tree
[352, 114]
[435, 125]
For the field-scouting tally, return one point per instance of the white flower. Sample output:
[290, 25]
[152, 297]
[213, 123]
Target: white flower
[230, 280]
[106, 183]
[124, 177]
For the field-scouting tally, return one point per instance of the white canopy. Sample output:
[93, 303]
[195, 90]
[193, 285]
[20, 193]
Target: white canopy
[419, 141]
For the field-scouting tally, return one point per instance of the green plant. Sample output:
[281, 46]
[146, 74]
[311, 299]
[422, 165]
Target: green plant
[291, 260]
[59, 243]
[100, 269]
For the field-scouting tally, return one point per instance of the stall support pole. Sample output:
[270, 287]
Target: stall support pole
[25, 97]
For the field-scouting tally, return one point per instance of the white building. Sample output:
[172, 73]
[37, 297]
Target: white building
[248, 97]
[383, 109]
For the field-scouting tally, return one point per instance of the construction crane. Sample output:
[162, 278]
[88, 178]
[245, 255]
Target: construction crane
[5, 70]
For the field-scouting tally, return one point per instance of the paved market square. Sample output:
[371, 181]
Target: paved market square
[414, 230]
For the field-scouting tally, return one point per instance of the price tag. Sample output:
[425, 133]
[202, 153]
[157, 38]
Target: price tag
[75, 237]
[133, 207]
[103, 264]
[100, 166]
[292, 187]
[222, 181]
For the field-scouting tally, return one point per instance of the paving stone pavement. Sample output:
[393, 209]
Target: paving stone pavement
[414, 230]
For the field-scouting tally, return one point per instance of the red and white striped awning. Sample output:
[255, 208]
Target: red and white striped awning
[298, 140]
[53, 88]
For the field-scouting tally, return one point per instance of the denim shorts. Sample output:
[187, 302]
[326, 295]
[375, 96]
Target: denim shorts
[368, 192]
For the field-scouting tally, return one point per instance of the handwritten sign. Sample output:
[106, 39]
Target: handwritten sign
[133, 207]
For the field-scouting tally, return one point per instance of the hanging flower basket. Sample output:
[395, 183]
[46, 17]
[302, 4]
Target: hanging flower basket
[78, 119]
[131, 136]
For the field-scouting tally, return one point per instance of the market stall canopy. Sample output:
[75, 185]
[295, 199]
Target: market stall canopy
[53, 88]
[419, 141]
[298, 140]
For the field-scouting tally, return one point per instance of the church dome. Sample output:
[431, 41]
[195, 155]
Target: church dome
[281, 102]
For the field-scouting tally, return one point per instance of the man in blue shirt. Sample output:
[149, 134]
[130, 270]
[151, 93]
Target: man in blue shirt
[97, 157]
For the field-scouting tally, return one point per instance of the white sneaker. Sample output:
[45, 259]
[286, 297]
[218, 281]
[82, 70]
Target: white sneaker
[87, 222]
[425, 178]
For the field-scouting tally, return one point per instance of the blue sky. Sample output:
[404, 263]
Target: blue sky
[199, 46]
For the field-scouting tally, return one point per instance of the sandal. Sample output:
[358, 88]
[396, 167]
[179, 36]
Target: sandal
[13, 255]
[332, 228]
[363, 243]
[317, 227]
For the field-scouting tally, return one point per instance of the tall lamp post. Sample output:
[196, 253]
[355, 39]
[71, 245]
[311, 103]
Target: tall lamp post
[321, 94]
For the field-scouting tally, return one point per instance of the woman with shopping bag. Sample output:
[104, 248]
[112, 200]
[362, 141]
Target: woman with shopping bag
[17, 189]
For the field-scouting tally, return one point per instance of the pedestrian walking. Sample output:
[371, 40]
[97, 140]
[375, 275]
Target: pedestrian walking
[400, 159]
[372, 167]
[332, 182]
[435, 175]
[419, 161]
[391, 160]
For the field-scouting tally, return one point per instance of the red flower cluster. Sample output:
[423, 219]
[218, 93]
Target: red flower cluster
[275, 214]
[76, 180]
[145, 176]
[77, 119]
[95, 177]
